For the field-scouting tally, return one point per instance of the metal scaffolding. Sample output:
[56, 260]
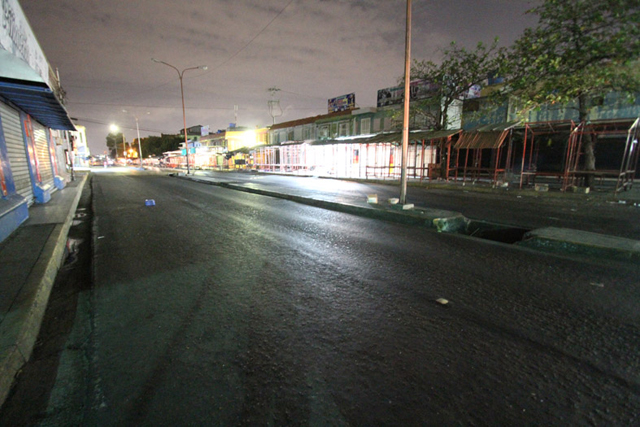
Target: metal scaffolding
[483, 152]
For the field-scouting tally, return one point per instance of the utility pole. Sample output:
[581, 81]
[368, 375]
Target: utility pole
[274, 104]
[407, 99]
[124, 149]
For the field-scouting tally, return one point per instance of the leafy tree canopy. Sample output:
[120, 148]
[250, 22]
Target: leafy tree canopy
[459, 71]
[579, 49]
[114, 143]
[156, 145]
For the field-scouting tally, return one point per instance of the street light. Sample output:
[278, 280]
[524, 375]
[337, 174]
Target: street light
[137, 130]
[184, 116]
[114, 128]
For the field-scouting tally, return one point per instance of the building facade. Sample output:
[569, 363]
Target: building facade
[34, 125]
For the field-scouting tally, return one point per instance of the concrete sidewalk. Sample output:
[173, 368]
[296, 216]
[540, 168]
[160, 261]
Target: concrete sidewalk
[29, 262]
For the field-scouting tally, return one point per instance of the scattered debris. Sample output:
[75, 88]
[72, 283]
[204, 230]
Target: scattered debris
[149, 202]
[372, 198]
[599, 285]
[576, 189]
[442, 301]
[393, 201]
[542, 187]
[407, 207]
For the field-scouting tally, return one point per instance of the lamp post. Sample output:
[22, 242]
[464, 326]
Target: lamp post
[184, 116]
[138, 131]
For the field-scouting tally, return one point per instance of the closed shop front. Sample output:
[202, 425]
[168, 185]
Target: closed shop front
[43, 154]
[16, 151]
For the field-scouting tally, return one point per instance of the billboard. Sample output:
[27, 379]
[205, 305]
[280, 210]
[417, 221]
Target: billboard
[342, 103]
[419, 89]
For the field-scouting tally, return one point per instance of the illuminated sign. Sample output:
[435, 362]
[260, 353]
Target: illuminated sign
[342, 103]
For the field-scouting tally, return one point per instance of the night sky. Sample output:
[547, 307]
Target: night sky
[312, 50]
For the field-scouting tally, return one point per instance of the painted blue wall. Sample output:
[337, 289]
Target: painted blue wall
[13, 207]
[614, 106]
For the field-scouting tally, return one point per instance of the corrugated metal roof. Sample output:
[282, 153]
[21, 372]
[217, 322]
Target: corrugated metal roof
[37, 100]
[391, 137]
[488, 136]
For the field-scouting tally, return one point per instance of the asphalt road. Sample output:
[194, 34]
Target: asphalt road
[596, 212]
[226, 308]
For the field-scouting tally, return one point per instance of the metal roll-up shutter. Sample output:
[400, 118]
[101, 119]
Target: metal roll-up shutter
[43, 154]
[16, 151]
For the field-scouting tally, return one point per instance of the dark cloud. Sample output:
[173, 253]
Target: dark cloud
[313, 50]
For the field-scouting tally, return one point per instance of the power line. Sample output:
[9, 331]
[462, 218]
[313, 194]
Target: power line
[302, 94]
[202, 74]
[250, 41]
[107, 104]
[100, 122]
[110, 104]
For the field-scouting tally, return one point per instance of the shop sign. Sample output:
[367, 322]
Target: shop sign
[17, 38]
[342, 103]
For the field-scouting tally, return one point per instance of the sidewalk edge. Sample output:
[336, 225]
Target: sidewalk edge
[41, 278]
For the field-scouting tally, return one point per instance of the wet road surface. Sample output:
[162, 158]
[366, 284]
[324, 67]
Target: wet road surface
[221, 307]
[597, 212]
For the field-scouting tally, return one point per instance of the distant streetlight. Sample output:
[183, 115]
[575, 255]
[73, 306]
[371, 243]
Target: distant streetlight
[184, 116]
[115, 128]
[138, 131]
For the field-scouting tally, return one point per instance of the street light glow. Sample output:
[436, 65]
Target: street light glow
[113, 128]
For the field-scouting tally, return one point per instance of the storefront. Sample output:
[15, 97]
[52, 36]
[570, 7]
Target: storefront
[30, 107]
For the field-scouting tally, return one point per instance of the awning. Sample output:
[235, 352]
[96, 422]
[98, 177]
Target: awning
[391, 137]
[490, 136]
[37, 100]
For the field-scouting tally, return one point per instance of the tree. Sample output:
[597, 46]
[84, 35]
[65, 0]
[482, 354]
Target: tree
[452, 80]
[459, 71]
[156, 145]
[579, 51]
[114, 144]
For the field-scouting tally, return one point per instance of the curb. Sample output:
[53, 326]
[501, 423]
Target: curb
[564, 240]
[33, 299]
[368, 212]
[550, 239]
